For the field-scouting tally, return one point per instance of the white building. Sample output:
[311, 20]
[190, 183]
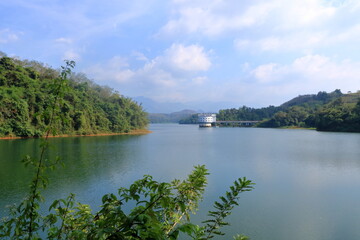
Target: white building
[206, 119]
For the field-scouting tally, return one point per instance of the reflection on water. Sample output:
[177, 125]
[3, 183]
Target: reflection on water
[306, 181]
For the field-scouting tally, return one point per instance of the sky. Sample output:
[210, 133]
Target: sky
[195, 52]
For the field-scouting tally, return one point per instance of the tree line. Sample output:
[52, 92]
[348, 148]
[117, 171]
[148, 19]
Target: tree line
[333, 111]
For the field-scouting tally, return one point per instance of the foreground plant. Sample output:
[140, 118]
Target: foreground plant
[162, 210]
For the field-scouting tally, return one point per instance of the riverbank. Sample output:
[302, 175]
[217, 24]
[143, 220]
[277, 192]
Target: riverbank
[133, 132]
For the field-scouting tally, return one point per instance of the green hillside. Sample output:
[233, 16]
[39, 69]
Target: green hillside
[26, 92]
[342, 114]
[312, 100]
[324, 111]
[333, 111]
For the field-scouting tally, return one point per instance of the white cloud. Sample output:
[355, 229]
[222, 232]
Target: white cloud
[115, 69]
[303, 13]
[351, 33]
[167, 76]
[84, 18]
[242, 44]
[186, 58]
[118, 62]
[199, 80]
[71, 55]
[218, 17]
[267, 73]
[139, 56]
[304, 27]
[299, 41]
[310, 72]
[7, 36]
[64, 40]
[215, 17]
[301, 26]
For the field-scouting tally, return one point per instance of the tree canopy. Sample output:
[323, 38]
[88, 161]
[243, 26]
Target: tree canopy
[26, 89]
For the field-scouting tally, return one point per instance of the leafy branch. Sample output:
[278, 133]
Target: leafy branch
[26, 219]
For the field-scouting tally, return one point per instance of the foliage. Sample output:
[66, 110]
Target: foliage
[25, 221]
[26, 92]
[224, 207]
[300, 111]
[294, 116]
[247, 114]
[339, 116]
[162, 211]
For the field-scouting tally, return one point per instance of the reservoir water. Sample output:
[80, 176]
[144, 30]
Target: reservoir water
[307, 182]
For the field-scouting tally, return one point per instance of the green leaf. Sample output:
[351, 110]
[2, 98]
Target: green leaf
[54, 204]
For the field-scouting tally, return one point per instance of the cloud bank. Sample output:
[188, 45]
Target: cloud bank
[163, 78]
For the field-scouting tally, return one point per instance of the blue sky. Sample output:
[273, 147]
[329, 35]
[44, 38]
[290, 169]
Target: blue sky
[237, 52]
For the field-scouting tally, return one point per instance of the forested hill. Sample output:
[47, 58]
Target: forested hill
[309, 103]
[26, 93]
[333, 111]
[312, 100]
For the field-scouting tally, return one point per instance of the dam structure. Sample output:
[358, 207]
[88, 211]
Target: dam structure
[207, 119]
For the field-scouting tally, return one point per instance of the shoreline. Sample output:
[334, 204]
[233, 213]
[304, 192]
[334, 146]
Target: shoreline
[133, 132]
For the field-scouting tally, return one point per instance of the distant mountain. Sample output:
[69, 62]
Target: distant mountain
[174, 117]
[152, 106]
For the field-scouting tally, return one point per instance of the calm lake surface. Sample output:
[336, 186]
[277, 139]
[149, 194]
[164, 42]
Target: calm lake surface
[307, 182]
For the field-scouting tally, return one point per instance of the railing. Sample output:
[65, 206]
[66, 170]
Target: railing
[236, 123]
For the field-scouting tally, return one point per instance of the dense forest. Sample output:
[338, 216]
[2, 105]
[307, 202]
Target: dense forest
[26, 92]
[318, 111]
[247, 113]
[323, 111]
